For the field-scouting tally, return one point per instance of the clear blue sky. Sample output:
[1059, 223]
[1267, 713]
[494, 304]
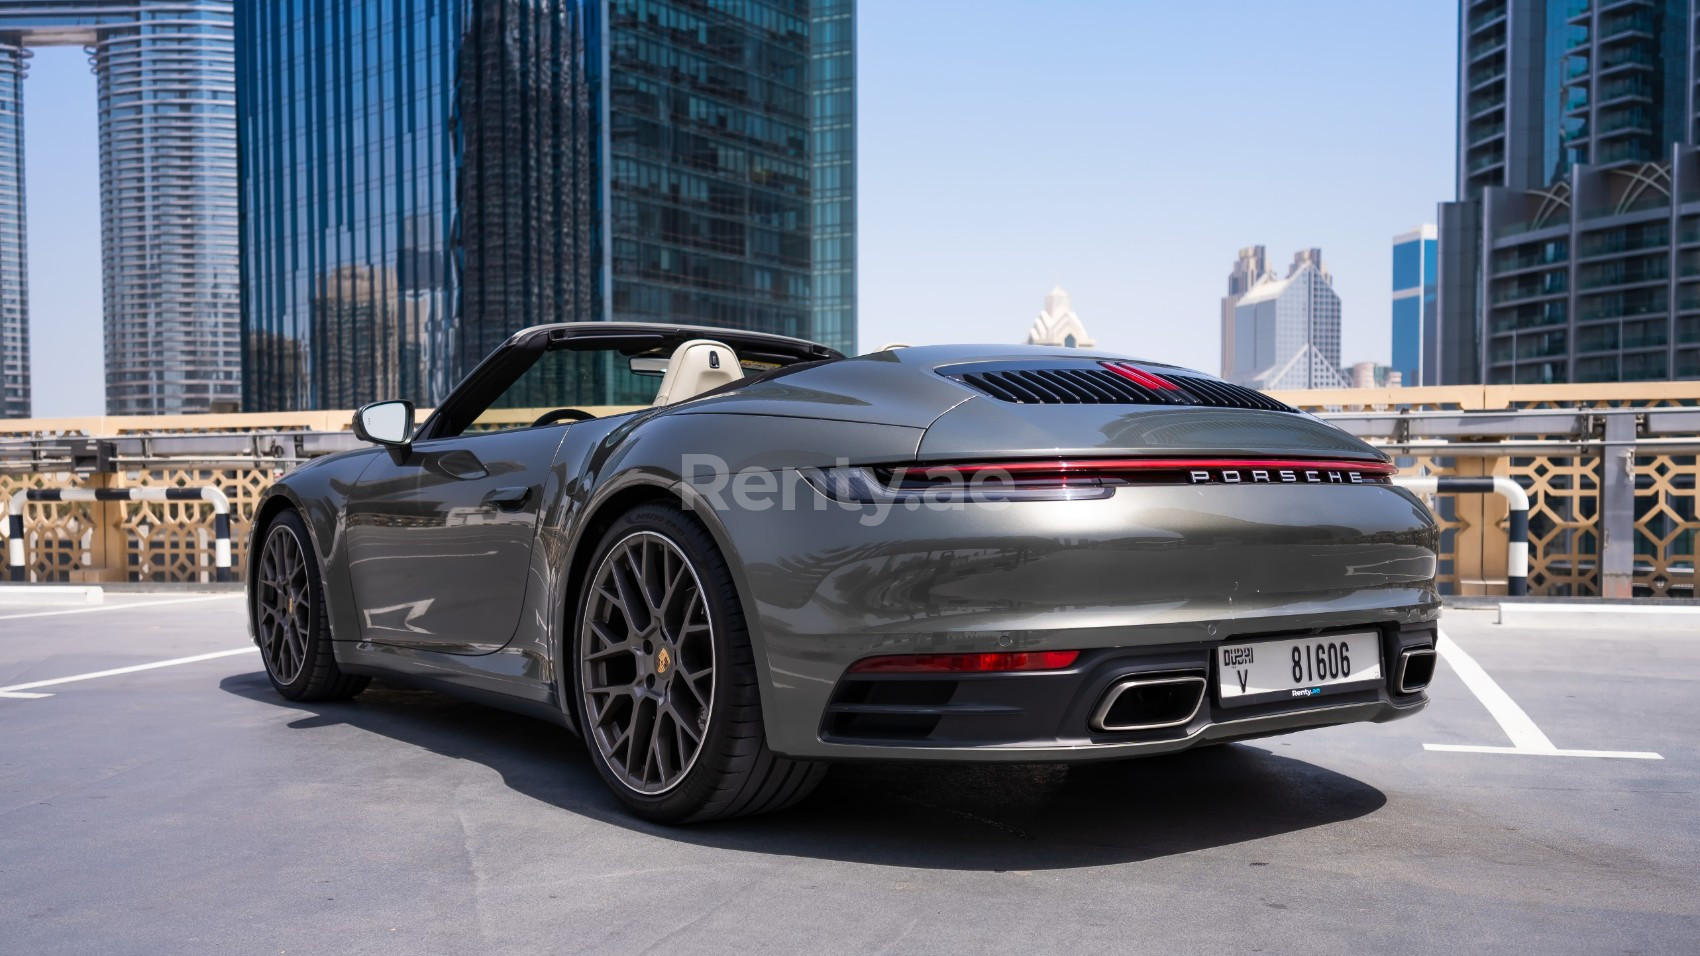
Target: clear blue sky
[1127, 150]
[62, 173]
[1122, 148]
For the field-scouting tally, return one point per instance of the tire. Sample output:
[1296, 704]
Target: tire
[291, 621]
[657, 607]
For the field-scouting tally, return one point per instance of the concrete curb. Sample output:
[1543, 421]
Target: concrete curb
[1595, 616]
[173, 587]
[51, 594]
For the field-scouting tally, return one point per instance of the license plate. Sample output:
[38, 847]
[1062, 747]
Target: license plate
[1266, 671]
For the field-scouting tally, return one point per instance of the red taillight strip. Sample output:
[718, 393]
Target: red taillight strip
[1110, 465]
[986, 663]
[1141, 377]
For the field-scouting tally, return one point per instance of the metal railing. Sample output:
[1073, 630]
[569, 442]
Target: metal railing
[1517, 518]
[1610, 472]
[17, 539]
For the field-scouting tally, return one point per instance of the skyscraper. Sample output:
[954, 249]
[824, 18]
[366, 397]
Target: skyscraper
[832, 146]
[1546, 85]
[1560, 259]
[1312, 256]
[504, 163]
[1415, 337]
[14, 262]
[1286, 332]
[1250, 269]
[167, 107]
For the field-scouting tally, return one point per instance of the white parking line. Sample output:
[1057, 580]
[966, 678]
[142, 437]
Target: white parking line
[14, 690]
[123, 607]
[1526, 738]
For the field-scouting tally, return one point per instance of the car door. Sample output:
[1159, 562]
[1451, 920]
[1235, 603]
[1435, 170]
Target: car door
[439, 538]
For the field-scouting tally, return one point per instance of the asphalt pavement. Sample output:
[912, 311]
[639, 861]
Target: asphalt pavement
[188, 809]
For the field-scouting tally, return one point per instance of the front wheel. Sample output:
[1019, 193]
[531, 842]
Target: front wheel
[667, 688]
[291, 622]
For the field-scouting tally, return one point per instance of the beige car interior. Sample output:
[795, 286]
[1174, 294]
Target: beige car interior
[696, 367]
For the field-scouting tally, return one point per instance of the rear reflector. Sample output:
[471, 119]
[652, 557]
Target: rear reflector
[989, 663]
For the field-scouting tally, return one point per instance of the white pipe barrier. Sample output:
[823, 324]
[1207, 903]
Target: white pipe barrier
[1517, 551]
[212, 496]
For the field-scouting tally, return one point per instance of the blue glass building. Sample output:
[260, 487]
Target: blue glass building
[1415, 332]
[421, 179]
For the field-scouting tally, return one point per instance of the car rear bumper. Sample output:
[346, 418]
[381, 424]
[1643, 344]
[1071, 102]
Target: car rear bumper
[1064, 715]
[1149, 580]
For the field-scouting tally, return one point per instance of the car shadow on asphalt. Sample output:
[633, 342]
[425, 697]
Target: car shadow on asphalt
[939, 816]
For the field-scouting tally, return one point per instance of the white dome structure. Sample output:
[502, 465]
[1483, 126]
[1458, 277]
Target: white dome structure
[1058, 325]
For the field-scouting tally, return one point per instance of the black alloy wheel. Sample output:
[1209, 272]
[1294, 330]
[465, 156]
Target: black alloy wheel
[648, 662]
[666, 679]
[291, 622]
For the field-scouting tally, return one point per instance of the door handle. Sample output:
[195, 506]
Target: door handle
[509, 499]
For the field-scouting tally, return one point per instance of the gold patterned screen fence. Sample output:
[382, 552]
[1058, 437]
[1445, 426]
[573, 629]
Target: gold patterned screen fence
[1603, 464]
[1610, 471]
[141, 541]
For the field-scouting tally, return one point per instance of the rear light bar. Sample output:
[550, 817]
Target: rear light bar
[1075, 479]
[988, 663]
[1081, 468]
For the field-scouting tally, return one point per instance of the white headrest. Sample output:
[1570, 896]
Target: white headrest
[696, 367]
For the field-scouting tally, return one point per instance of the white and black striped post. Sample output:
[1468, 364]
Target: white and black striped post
[212, 496]
[1517, 551]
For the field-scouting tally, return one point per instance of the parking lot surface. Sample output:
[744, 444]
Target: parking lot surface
[188, 809]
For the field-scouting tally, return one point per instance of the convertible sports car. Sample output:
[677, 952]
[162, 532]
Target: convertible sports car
[982, 553]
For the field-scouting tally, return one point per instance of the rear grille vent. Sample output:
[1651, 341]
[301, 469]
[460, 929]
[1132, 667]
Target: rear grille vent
[1056, 386]
[1095, 385]
[1219, 394]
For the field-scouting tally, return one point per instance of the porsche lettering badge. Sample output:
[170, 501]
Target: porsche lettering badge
[1260, 476]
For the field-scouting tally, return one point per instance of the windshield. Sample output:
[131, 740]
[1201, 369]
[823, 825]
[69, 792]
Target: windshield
[600, 383]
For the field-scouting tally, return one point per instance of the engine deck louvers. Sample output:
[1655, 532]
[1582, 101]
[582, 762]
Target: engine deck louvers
[1221, 394]
[1098, 385]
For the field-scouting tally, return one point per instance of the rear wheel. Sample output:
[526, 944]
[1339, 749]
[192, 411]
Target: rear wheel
[667, 686]
[291, 621]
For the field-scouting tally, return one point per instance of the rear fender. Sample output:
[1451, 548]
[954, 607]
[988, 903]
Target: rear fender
[653, 457]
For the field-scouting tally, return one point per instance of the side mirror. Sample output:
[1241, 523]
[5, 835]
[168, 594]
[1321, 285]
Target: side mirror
[385, 423]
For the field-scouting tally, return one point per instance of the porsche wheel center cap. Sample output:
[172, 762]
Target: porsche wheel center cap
[663, 660]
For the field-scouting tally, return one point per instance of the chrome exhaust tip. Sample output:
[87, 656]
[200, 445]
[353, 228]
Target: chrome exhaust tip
[1150, 703]
[1416, 669]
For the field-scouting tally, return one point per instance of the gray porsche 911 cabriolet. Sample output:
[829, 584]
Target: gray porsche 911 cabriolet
[982, 553]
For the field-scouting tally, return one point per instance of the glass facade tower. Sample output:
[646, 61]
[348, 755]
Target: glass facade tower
[165, 78]
[1545, 85]
[421, 180]
[1286, 332]
[14, 264]
[413, 182]
[1563, 258]
[832, 100]
[1415, 335]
